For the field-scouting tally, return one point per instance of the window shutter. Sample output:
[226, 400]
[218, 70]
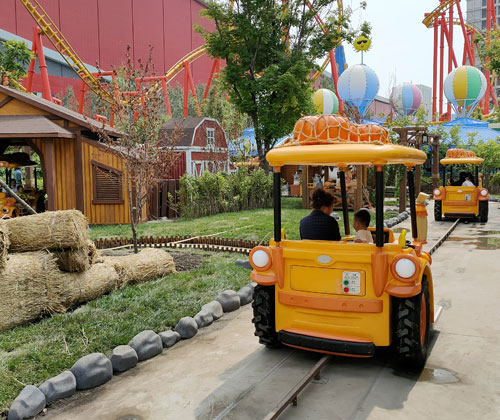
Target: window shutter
[107, 185]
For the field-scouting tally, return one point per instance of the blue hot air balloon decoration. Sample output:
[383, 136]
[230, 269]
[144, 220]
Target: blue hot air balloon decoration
[358, 86]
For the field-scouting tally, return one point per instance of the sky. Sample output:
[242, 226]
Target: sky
[401, 44]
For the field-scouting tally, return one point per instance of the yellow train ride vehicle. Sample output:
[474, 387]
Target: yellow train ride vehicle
[458, 201]
[8, 207]
[341, 297]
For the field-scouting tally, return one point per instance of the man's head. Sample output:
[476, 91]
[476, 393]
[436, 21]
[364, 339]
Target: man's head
[361, 219]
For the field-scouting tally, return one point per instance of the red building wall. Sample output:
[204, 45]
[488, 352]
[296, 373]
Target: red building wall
[100, 30]
[200, 136]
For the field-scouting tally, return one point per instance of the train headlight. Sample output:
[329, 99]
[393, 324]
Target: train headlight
[484, 193]
[437, 192]
[405, 268]
[260, 258]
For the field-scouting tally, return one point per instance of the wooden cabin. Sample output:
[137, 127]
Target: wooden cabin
[79, 172]
[202, 145]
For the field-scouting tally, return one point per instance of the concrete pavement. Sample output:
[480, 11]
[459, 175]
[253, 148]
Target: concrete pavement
[223, 373]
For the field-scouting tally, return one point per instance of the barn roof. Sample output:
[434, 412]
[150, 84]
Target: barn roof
[188, 125]
[58, 110]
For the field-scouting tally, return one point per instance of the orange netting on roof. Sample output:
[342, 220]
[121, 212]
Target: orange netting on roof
[329, 129]
[460, 153]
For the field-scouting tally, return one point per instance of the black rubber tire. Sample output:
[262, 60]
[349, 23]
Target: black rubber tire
[264, 316]
[411, 352]
[437, 211]
[483, 211]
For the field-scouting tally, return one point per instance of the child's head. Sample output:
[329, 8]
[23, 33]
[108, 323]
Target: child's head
[361, 219]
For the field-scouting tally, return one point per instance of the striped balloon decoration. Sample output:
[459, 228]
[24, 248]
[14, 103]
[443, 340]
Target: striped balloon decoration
[358, 86]
[326, 102]
[464, 87]
[406, 98]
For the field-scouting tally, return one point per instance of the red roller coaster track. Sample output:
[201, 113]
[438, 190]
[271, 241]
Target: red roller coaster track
[442, 20]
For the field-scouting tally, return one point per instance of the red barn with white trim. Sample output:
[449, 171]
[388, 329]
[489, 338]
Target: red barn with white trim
[202, 147]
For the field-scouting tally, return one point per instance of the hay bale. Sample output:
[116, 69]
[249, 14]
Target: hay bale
[77, 288]
[50, 230]
[93, 253]
[148, 264]
[72, 260]
[4, 243]
[29, 287]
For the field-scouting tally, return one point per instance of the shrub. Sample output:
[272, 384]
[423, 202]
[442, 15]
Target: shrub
[213, 193]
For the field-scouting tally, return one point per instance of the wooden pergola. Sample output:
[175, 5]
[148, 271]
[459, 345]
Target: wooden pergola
[417, 136]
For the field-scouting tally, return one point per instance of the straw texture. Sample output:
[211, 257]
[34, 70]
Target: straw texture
[50, 230]
[73, 260]
[77, 288]
[4, 243]
[148, 264]
[30, 286]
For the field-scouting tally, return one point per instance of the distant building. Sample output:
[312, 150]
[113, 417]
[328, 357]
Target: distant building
[379, 109]
[426, 99]
[476, 13]
[100, 30]
[476, 16]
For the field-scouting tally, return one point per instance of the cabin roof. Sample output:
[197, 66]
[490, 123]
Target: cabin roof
[31, 126]
[59, 111]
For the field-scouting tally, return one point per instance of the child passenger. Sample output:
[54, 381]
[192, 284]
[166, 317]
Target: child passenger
[361, 221]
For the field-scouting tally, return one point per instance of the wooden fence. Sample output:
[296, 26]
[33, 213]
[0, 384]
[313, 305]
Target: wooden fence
[164, 200]
[176, 242]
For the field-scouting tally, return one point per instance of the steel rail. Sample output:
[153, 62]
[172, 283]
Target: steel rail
[291, 397]
[444, 237]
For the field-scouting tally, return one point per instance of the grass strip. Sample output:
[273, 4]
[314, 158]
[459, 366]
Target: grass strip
[256, 225]
[35, 352]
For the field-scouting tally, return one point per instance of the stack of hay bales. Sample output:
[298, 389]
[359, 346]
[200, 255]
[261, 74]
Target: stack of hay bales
[148, 264]
[48, 264]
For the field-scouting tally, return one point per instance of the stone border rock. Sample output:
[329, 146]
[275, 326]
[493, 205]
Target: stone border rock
[393, 221]
[96, 369]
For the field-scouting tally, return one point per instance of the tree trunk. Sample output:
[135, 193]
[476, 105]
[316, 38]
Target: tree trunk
[134, 235]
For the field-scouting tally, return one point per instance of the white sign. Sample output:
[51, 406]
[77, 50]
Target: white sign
[351, 282]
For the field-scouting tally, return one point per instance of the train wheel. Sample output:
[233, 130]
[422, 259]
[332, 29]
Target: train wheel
[264, 316]
[412, 324]
[437, 211]
[483, 211]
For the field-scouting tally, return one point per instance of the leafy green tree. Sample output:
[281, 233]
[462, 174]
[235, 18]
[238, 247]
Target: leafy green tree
[14, 59]
[176, 98]
[489, 50]
[269, 47]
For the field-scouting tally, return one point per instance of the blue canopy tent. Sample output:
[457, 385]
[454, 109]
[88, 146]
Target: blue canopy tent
[249, 134]
[468, 126]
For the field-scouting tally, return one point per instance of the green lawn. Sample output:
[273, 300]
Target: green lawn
[250, 224]
[38, 351]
